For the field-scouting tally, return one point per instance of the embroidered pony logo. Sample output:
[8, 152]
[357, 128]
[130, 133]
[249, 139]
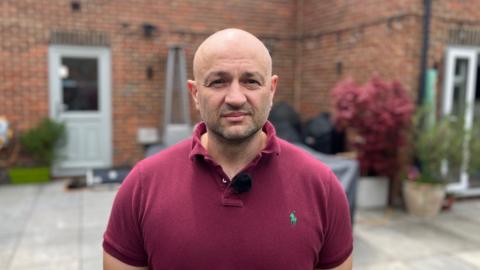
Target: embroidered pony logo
[293, 218]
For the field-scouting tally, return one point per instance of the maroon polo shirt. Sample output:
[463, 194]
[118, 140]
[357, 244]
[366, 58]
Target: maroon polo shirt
[177, 210]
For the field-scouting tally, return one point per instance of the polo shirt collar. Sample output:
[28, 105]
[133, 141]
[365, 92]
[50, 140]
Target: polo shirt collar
[272, 146]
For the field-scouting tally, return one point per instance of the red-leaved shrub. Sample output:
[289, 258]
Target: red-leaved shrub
[380, 114]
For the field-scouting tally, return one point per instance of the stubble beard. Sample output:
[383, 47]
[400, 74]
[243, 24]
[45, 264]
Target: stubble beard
[227, 135]
[235, 138]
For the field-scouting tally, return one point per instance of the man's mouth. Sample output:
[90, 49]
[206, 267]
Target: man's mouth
[235, 116]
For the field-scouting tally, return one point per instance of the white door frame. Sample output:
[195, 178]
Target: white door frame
[452, 53]
[105, 114]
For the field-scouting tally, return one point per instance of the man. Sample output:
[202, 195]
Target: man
[234, 196]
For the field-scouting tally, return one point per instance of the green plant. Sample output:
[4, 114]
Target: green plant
[41, 141]
[443, 144]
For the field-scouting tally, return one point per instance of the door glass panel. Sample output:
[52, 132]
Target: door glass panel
[460, 87]
[79, 84]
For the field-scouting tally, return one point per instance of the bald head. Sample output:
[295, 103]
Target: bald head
[230, 42]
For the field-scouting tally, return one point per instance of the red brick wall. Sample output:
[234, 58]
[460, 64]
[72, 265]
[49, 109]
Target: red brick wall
[358, 35]
[364, 36]
[25, 28]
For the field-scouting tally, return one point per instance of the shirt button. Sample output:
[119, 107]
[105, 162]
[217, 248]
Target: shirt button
[224, 180]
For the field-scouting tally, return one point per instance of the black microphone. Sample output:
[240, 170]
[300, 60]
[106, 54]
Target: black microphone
[242, 183]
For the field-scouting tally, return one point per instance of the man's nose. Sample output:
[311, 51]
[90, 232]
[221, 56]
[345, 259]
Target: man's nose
[235, 95]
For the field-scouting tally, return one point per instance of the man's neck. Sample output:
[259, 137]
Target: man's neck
[233, 157]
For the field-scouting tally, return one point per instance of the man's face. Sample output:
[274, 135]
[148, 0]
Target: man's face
[233, 92]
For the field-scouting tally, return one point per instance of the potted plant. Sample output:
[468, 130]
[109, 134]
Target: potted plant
[40, 143]
[379, 113]
[441, 150]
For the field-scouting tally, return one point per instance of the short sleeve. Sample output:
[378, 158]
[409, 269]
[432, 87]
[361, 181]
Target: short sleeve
[338, 241]
[123, 236]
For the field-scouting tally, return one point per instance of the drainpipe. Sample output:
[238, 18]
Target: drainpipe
[297, 83]
[427, 7]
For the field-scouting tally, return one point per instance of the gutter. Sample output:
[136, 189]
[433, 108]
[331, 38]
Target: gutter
[427, 6]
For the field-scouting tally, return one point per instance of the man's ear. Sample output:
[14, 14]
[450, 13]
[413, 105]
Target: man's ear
[192, 87]
[273, 88]
[273, 84]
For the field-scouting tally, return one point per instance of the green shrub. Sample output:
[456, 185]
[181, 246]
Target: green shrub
[446, 140]
[41, 141]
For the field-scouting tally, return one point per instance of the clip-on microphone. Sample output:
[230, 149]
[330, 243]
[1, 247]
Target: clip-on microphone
[242, 183]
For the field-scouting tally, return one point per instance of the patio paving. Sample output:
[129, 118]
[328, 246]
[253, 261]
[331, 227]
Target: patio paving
[391, 239]
[46, 227]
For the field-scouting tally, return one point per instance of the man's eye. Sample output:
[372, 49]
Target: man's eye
[216, 83]
[252, 83]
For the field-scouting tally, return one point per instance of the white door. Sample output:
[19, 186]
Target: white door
[461, 94]
[80, 96]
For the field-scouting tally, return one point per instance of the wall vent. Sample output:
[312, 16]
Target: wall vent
[79, 38]
[464, 37]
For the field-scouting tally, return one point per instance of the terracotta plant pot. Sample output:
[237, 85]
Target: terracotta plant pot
[423, 199]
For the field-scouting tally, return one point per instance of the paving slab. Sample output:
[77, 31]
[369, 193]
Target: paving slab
[392, 265]
[428, 232]
[7, 249]
[95, 263]
[440, 262]
[44, 255]
[18, 204]
[52, 265]
[463, 227]
[472, 257]
[91, 243]
[365, 253]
